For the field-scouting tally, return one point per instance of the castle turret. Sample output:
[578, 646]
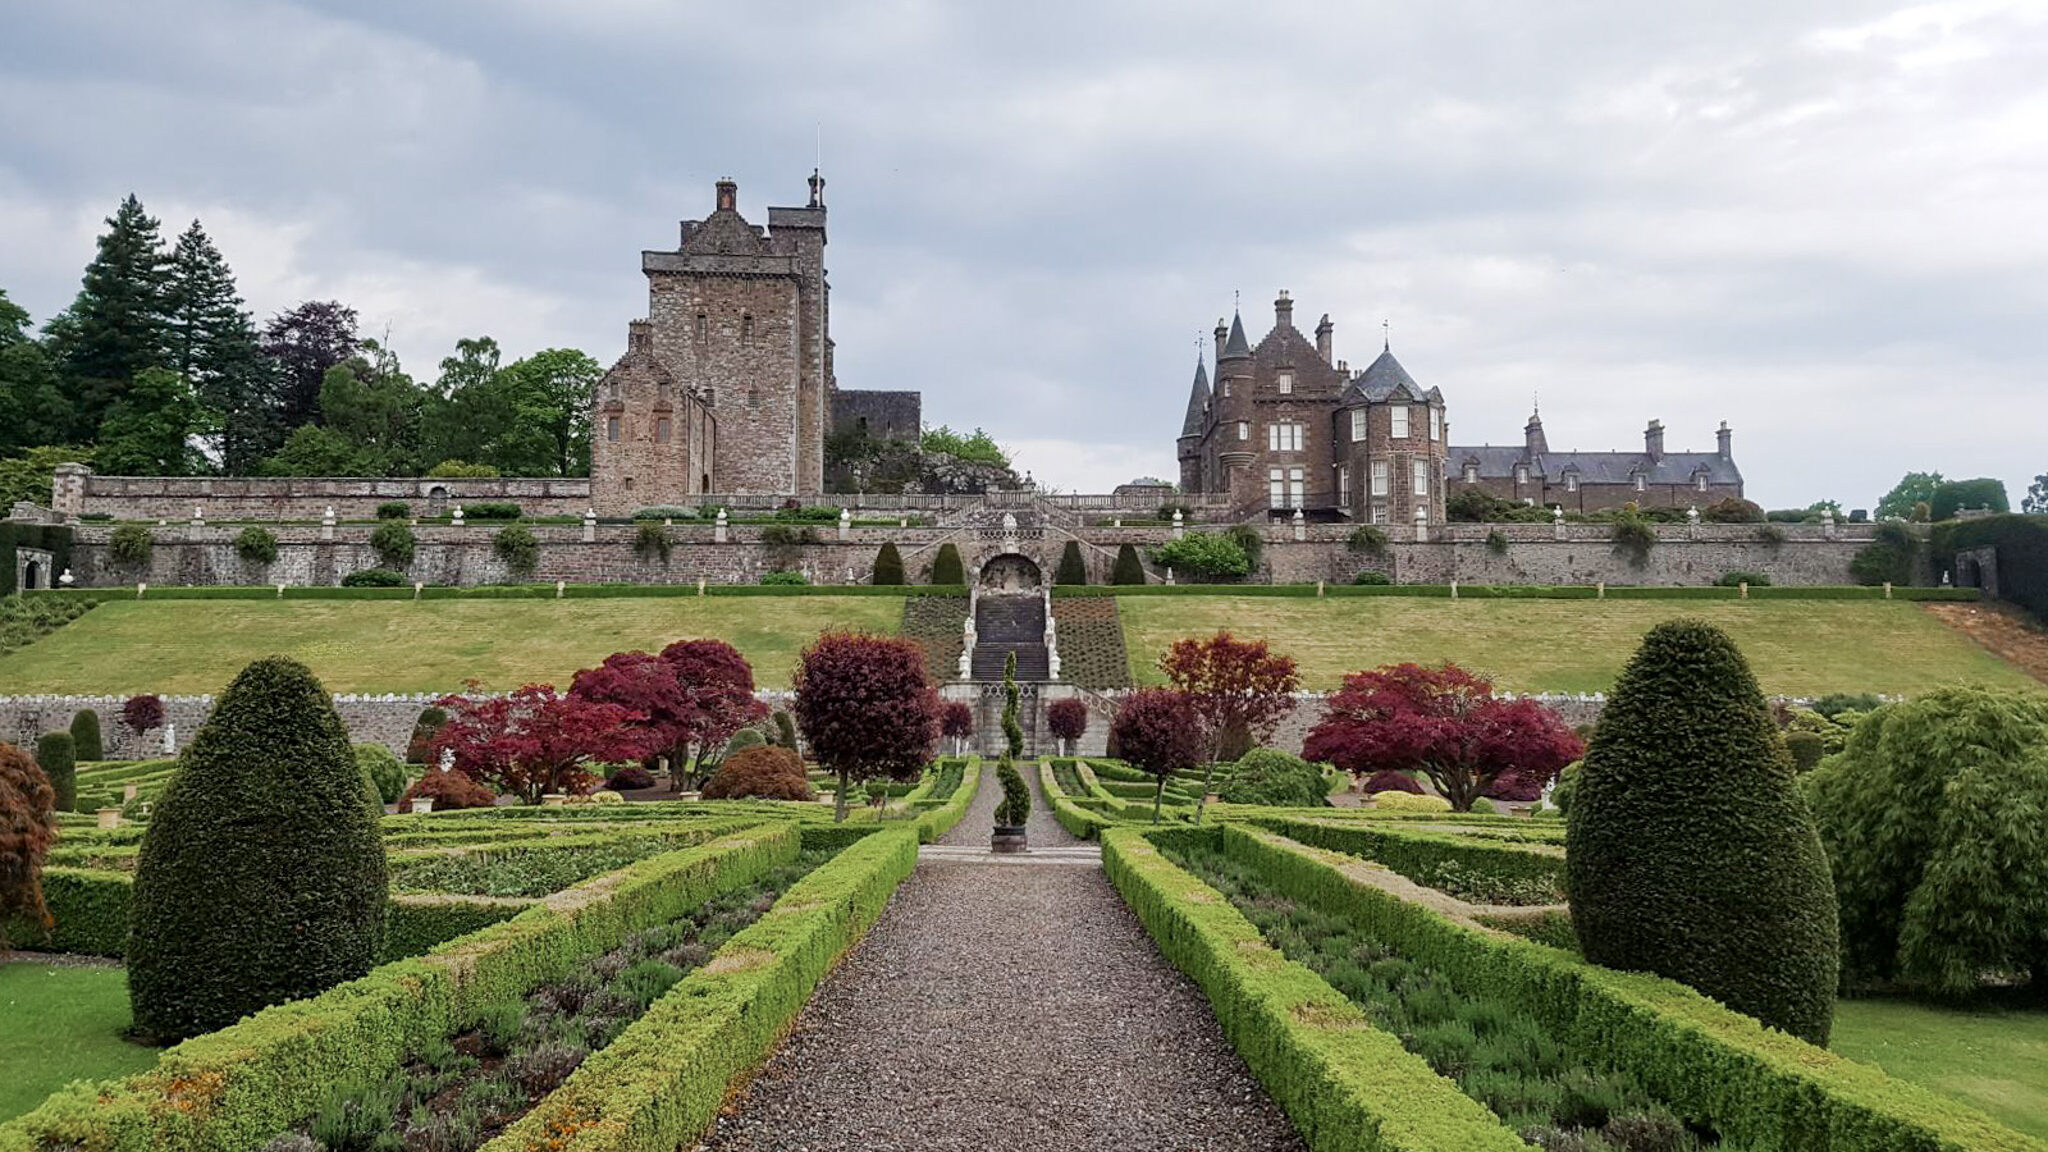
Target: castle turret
[1190, 443]
[1533, 444]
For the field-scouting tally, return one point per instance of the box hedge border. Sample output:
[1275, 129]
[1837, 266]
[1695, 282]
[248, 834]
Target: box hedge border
[1521, 591]
[1757, 1086]
[1078, 821]
[1347, 1086]
[488, 591]
[231, 1090]
[659, 1085]
[936, 822]
[1417, 854]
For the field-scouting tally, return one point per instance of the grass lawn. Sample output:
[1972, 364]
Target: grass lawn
[416, 646]
[1796, 647]
[63, 1024]
[1994, 1060]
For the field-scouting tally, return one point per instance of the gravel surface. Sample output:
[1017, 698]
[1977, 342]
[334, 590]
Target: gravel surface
[1041, 829]
[1005, 1008]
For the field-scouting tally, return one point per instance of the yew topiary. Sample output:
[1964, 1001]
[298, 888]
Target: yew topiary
[56, 754]
[1072, 568]
[261, 877]
[85, 736]
[888, 566]
[1691, 852]
[1128, 568]
[946, 567]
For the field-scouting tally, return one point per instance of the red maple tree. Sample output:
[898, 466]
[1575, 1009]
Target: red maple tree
[1158, 731]
[1239, 690]
[535, 741]
[28, 826]
[143, 713]
[956, 720]
[719, 684]
[867, 708]
[1068, 720]
[1445, 723]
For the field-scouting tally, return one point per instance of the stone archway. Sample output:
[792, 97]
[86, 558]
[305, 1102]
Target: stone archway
[1010, 572]
[437, 500]
[31, 575]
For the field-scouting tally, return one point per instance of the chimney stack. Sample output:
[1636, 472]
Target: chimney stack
[1323, 331]
[639, 336]
[1283, 310]
[1724, 437]
[1653, 440]
[728, 195]
[1222, 335]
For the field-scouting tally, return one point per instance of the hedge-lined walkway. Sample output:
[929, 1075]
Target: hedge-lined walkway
[996, 1007]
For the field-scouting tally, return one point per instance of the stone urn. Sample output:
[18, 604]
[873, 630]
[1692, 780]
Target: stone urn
[1008, 838]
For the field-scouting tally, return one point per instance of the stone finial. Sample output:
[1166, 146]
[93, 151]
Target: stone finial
[1692, 515]
[1179, 528]
[456, 515]
[67, 579]
[198, 516]
[1300, 525]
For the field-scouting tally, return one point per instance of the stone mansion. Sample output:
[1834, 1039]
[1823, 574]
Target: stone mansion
[1287, 426]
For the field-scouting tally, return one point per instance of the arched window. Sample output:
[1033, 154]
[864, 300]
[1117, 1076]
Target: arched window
[746, 331]
[703, 326]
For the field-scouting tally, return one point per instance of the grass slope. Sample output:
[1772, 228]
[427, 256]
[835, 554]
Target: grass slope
[63, 1024]
[1996, 1061]
[1797, 647]
[402, 646]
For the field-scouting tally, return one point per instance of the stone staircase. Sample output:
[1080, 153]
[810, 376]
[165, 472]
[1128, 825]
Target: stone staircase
[1004, 624]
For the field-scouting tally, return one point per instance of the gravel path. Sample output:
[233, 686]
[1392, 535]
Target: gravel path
[1041, 829]
[1005, 1008]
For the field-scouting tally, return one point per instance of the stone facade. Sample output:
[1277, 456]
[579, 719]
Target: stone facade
[1595, 481]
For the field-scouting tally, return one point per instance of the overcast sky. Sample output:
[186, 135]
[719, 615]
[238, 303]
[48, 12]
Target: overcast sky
[1826, 223]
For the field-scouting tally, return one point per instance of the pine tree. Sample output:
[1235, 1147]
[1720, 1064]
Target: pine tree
[116, 327]
[1072, 569]
[212, 344]
[149, 430]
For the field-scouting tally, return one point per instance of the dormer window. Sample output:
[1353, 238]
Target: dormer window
[1285, 383]
[1471, 473]
[1400, 415]
[1571, 481]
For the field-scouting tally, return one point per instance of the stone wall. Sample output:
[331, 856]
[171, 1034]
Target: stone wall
[185, 554]
[371, 719]
[79, 491]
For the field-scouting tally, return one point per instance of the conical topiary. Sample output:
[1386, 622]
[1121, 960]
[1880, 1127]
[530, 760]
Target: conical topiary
[888, 566]
[85, 736]
[1072, 569]
[946, 567]
[261, 877]
[1691, 852]
[56, 753]
[1129, 569]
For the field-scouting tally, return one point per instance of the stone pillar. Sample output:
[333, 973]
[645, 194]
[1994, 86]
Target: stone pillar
[327, 525]
[718, 530]
[590, 525]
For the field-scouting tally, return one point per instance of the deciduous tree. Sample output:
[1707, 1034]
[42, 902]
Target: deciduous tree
[867, 708]
[719, 684]
[1068, 720]
[305, 342]
[28, 826]
[1445, 723]
[1240, 690]
[957, 721]
[535, 741]
[1913, 488]
[1159, 731]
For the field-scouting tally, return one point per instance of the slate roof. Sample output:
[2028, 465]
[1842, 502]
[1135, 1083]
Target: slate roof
[1384, 379]
[1237, 345]
[1498, 463]
[1198, 402]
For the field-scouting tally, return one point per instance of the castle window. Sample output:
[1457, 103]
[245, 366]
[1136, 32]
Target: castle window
[661, 430]
[1421, 476]
[1436, 424]
[1521, 474]
[1379, 513]
[1400, 412]
[1379, 477]
[611, 428]
[1244, 429]
[703, 326]
[1571, 481]
[1226, 389]
[1285, 487]
[1471, 473]
[1344, 483]
[746, 331]
[1642, 482]
[1283, 437]
[1357, 425]
[1285, 382]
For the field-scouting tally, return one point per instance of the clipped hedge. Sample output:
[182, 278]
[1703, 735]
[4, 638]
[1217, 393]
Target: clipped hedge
[1078, 821]
[1422, 856]
[1527, 591]
[660, 1083]
[231, 1090]
[1347, 1086]
[934, 824]
[1758, 1087]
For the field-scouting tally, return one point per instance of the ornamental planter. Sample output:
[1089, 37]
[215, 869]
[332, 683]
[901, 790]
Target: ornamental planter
[1008, 838]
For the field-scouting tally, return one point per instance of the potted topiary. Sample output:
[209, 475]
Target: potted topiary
[1012, 812]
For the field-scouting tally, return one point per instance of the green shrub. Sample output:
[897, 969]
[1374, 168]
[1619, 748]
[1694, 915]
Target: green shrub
[1249, 542]
[946, 567]
[652, 541]
[1932, 820]
[1366, 540]
[1497, 542]
[788, 535]
[424, 729]
[1632, 537]
[516, 545]
[1952, 496]
[784, 579]
[386, 772]
[1013, 731]
[1835, 703]
[130, 546]
[57, 754]
[1274, 778]
[1891, 557]
[1128, 569]
[85, 735]
[1204, 556]
[394, 510]
[373, 578]
[261, 877]
[1806, 749]
[256, 545]
[1739, 578]
[1072, 568]
[1370, 578]
[888, 570]
[1016, 806]
[392, 541]
[1732, 510]
[490, 510]
[1568, 783]
[1686, 800]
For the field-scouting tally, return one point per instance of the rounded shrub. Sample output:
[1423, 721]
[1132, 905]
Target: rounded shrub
[1275, 778]
[28, 826]
[385, 772]
[888, 566]
[143, 712]
[393, 543]
[56, 755]
[394, 510]
[431, 720]
[261, 878]
[256, 545]
[1401, 801]
[85, 735]
[792, 579]
[448, 790]
[1932, 816]
[1739, 578]
[1806, 749]
[1015, 808]
[760, 772]
[373, 578]
[1567, 787]
[631, 778]
[1372, 579]
[946, 566]
[1691, 852]
[517, 546]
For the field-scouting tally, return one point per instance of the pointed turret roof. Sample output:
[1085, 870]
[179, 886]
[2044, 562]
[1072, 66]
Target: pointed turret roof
[1198, 402]
[1385, 379]
[1237, 345]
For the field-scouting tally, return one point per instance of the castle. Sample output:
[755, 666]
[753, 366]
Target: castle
[727, 386]
[1286, 427]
